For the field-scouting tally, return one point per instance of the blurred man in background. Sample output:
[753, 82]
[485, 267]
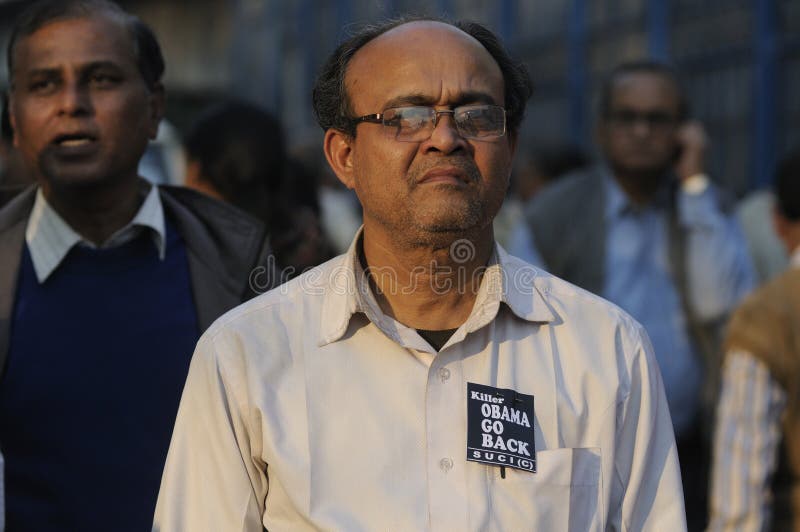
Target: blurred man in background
[755, 213]
[647, 230]
[298, 239]
[758, 406]
[106, 282]
[544, 163]
[236, 153]
[537, 164]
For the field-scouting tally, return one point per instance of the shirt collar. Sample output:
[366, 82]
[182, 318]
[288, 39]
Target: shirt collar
[50, 238]
[617, 202]
[506, 280]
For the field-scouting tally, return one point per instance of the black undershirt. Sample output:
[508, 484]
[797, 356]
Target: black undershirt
[436, 338]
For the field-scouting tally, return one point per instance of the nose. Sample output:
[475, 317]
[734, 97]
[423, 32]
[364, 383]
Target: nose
[445, 137]
[641, 127]
[74, 100]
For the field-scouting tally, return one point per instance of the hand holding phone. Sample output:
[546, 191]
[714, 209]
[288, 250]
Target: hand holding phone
[690, 154]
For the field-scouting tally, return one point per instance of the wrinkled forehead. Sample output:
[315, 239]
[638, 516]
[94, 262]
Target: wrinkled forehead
[104, 32]
[427, 58]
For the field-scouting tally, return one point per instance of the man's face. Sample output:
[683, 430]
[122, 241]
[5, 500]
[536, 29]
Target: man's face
[428, 190]
[82, 114]
[639, 132]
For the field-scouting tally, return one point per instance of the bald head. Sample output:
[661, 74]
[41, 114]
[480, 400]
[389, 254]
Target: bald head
[417, 36]
[332, 101]
[427, 52]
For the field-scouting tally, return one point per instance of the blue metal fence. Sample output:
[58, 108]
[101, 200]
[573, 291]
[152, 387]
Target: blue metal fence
[740, 60]
[740, 66]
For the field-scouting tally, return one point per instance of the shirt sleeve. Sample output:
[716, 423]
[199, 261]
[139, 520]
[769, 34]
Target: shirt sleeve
[720, 270]
[211, 479]
[746, 442]
[647, 493]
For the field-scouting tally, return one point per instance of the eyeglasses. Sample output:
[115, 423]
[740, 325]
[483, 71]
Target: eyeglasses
[416, 123]
[656, 120]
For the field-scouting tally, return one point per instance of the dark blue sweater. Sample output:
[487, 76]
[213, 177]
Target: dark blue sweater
[98, 357]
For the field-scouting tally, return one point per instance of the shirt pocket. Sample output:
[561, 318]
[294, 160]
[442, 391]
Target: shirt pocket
[563, 494]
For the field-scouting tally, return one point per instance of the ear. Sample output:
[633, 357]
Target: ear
[12, 119]
[157, 100]
[338, 147]
[192, 177]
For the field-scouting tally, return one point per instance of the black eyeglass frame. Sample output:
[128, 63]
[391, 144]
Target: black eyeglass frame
[628, 118]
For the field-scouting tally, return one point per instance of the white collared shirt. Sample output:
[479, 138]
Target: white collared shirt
[307, 408]
[50, 238]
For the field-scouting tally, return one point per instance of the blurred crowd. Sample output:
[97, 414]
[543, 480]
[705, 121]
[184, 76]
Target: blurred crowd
[637, 218]
[632, 221]
[635, 223]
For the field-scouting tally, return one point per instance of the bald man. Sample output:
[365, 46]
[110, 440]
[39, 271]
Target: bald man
[425, 379]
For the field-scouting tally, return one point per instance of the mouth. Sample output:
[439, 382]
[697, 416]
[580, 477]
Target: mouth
[447, 175]
[70, 145]
[71, 140]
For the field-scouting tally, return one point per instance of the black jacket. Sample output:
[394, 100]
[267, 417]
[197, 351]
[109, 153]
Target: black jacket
[225, 247]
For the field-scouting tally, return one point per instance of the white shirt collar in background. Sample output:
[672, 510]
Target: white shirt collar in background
[50, 238]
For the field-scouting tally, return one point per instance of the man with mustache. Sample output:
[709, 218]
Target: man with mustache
[425, 380]
[647, 230]
[106, 282]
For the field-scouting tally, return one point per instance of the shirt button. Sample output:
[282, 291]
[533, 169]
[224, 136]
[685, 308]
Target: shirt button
[446, 464]
[444, 374]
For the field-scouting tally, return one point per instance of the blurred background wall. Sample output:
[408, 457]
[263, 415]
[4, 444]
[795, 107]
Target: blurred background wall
[740, 60]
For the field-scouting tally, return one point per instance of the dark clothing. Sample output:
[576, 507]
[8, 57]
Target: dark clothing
[9, 192]
[437, 339]
[694, 454]
[109, 432]
[567, 221]
[224, 246]
[98, 356]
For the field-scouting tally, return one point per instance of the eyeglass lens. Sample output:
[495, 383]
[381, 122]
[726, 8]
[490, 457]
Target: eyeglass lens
[414, 124]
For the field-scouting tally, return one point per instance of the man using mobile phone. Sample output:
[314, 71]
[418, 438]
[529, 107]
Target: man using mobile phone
[648, 230]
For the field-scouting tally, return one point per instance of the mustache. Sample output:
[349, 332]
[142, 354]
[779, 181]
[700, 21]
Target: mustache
[464, 164]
